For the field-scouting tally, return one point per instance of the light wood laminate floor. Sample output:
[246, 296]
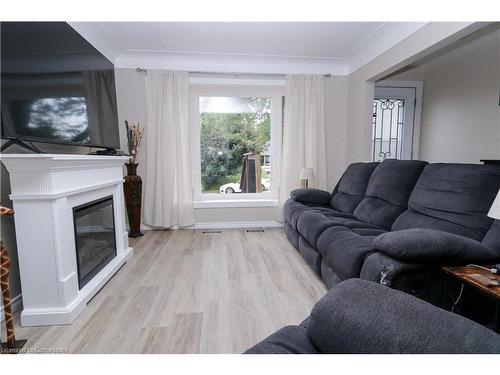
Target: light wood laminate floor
[185, 291]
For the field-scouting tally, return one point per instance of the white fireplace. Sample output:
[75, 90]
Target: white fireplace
[46, 192]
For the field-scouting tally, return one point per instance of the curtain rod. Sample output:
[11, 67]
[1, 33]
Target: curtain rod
[278, 75]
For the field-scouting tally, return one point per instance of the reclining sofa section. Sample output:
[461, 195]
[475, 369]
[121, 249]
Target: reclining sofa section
[351, 319]
[397, 222]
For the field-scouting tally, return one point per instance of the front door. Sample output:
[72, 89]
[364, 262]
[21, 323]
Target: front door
[393, 123]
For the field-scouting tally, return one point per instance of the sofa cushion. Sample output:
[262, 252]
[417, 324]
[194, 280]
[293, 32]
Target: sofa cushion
[344, 251]
[297, 214]
[359, 316]
[352, 186]
[453, 198]
[287, 340]
[312, 223]
[292, 210]
[388, 191]
[433, 246]
[290, 207]
[333, 214]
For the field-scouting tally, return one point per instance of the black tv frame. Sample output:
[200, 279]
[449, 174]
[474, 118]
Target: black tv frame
[26, 141]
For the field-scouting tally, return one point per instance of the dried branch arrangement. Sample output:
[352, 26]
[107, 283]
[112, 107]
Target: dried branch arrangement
[134, 137]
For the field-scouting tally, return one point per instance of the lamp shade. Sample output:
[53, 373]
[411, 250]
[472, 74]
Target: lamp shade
[495, 208]
[306, 174]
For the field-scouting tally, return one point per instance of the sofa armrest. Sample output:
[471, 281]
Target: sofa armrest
[433, 246]
[311, 196]
[358, 316]
[287, 340]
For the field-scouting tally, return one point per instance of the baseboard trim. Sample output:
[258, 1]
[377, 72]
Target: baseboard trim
[17, 303]
[225, 225]
[238, 224]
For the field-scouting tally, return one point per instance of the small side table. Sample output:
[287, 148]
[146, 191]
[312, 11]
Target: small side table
[468, 276]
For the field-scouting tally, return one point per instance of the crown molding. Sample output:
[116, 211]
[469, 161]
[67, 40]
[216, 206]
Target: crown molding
[230, 62]
[385, 37]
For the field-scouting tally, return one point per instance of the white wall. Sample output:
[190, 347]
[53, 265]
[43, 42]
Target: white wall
[131, 97]
[461, 111]
[336, 122]
[131, 102]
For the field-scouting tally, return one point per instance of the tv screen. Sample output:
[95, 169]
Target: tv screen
[56, 87]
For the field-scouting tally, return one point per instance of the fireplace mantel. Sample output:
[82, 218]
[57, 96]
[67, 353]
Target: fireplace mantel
[44, 190]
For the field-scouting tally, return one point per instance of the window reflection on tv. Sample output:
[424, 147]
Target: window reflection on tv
[53, 118]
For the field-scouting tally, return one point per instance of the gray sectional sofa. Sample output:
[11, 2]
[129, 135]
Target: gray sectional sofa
[397, 222]
[350, 319]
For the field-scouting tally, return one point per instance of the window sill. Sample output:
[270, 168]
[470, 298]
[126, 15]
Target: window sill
[235, 203]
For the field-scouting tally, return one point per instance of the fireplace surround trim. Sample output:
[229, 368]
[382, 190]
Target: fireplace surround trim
[45, 188]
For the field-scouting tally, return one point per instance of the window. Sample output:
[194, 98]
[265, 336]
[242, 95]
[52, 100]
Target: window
[388, 121]
[236, 144]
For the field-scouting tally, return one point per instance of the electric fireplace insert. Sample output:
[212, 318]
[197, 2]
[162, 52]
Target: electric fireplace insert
[95, 237]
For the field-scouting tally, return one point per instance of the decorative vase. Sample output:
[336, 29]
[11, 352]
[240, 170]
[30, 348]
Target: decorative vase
[132, 187]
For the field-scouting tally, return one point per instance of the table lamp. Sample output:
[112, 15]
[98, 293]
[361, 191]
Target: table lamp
[306, 174]
[495, 214]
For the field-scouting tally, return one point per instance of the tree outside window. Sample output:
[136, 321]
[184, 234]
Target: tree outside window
[230, 128]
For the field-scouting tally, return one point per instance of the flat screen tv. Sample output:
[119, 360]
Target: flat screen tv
[56, 87]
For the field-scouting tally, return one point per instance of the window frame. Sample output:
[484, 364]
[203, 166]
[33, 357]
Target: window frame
[233, 88]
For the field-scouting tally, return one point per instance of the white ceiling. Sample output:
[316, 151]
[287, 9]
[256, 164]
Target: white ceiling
[272, 47]
[308, 39]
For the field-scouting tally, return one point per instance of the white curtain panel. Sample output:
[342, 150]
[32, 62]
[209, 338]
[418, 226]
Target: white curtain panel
[168, 195]
[303, 133]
